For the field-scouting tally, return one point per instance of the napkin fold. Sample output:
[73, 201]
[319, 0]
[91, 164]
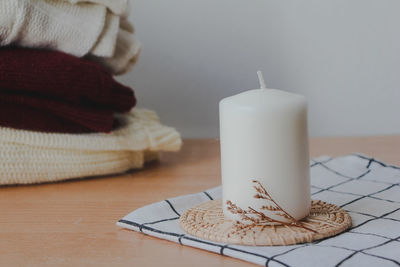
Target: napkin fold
[368, 189]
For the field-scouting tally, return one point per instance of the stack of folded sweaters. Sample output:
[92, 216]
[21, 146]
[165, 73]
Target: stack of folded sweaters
[62, 114]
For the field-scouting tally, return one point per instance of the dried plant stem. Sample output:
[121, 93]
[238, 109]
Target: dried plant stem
[259, 217]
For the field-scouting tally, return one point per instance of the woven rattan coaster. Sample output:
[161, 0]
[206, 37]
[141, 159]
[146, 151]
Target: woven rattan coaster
[207, 221]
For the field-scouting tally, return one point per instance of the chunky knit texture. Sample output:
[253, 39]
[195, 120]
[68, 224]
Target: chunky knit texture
[31, 157]
[28, 165]
[53, 24]
[82, 29]
[118, 7]
[126, 54]
[51, 91]
[23, 112]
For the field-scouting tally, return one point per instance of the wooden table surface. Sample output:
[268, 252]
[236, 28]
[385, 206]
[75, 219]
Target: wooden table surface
[73, 222]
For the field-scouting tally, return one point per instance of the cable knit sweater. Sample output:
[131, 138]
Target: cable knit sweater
[31, 157]
[83, 29]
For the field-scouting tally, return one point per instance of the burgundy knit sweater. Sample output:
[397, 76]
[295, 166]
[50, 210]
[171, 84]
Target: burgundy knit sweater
[54, 92]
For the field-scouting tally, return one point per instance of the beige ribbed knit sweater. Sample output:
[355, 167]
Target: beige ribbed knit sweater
[118, 7]
[83, 29]
[28, 157]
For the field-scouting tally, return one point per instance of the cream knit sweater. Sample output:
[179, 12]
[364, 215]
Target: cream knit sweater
[32, 157]
[83, 29]
[118, 7]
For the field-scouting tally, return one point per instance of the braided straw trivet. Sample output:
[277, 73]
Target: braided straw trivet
[207, 221]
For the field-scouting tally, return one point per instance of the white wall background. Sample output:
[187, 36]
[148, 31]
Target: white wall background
[343, 55]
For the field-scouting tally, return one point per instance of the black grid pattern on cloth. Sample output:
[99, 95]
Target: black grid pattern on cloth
[268, 258]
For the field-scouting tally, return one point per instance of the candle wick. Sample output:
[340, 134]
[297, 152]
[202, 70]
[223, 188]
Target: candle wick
[261, 80]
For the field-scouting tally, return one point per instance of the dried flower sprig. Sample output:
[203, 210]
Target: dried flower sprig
[256, 218]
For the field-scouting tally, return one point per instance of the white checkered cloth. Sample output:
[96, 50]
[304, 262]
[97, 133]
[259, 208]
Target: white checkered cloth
[368, 189]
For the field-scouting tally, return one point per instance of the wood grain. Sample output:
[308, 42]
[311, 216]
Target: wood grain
[73, 222]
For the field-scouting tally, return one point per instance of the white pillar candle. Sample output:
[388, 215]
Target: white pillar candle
[264, 137]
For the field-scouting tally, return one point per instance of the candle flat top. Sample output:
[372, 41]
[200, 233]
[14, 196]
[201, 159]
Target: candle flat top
[265, 98]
